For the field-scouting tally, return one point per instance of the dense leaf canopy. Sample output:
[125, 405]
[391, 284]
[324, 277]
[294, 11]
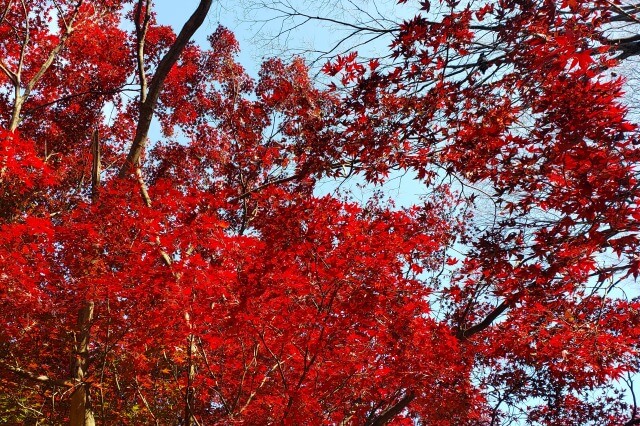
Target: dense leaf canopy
[201, 275]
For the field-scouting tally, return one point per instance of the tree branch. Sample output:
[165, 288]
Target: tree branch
[6, 11]
[77, 95]
[267, 184]
[155, 86]
[96, 166]
[21, 98]
[485, 323]
[392, 411]
[627, 14]
[40, 378]
[12, 76]
[141, 34]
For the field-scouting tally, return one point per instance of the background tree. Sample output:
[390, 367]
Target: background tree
[508, 103]
[201, 279]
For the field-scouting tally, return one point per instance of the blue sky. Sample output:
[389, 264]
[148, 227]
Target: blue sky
[260, 36]
[176, 13]
[402, 188]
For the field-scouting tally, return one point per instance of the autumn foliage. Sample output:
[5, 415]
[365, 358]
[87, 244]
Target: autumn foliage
[202, 274]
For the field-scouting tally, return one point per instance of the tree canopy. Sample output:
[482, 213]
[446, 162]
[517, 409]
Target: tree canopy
[201, 275]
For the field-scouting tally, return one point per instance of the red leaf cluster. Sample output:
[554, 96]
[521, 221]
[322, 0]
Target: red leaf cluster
[225, 287]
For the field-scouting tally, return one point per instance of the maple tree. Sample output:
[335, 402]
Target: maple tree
[200, 277]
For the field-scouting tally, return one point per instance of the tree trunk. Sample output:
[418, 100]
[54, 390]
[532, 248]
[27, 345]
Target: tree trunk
[81, 412]
[191, 372]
